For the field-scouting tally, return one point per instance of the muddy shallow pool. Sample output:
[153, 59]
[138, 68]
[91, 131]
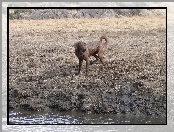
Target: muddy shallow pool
[53, 117]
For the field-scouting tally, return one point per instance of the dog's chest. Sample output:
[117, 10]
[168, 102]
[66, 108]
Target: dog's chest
[79, 55]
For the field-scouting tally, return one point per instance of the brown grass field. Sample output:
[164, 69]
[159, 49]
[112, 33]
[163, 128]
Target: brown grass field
[42, 63]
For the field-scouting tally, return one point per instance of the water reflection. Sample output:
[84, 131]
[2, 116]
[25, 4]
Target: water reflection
[54, 117]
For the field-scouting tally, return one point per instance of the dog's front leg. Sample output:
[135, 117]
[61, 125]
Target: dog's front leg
[87, 66]
[80, 65]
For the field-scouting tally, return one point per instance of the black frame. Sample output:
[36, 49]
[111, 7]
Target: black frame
[8, 8]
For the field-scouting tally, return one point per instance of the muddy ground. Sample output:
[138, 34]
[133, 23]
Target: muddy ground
[43, 66]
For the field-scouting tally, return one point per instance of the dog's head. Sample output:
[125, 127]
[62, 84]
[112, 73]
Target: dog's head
[80, 46]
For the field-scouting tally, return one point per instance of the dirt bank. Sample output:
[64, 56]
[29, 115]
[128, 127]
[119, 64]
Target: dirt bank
[42, 65]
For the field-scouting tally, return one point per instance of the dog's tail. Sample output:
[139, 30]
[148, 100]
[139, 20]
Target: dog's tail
[105, 38]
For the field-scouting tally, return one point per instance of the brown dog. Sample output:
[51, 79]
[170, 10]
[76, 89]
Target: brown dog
[83, 51]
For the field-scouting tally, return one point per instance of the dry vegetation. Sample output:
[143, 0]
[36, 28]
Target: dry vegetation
[43, 65]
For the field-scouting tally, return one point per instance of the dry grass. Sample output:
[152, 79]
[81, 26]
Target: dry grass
[55, 32]
[88, 25]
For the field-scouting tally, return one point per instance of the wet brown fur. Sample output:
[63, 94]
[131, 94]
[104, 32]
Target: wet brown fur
[84, 50]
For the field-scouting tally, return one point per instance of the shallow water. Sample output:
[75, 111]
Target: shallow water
[53, 117]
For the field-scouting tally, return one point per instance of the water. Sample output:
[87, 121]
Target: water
[54, 117]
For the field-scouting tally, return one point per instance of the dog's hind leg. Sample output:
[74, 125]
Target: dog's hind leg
[100, 55]
[96, 57]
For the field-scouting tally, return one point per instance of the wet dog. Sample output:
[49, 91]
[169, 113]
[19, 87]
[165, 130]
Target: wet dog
[84, 50]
